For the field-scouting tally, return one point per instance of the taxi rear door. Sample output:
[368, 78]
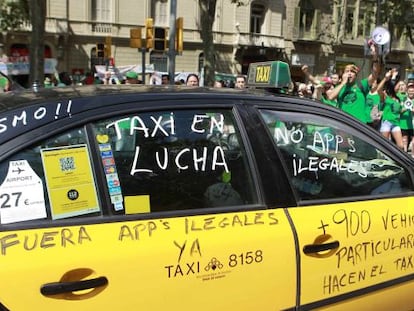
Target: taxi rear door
[355, 218]
[356, 255]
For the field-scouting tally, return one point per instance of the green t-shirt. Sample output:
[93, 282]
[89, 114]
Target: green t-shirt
[329, 102]
[3, 82]
[392, 110]
[351, 99]
[371, 101]
[402, 96]
[406, 117]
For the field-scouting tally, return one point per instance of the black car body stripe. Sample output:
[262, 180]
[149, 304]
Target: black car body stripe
[297, 256]
[356, 293]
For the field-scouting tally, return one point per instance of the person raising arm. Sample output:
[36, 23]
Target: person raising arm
[351, 94]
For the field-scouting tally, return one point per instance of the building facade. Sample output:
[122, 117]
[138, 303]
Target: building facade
[321, 34]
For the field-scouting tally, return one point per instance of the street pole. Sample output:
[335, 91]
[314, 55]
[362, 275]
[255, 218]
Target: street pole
[378, 12]
[171, 43]
[143, 50]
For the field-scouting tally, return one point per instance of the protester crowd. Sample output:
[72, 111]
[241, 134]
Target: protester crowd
[382, 100]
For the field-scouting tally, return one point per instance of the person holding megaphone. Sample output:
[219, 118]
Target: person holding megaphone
[350, 93]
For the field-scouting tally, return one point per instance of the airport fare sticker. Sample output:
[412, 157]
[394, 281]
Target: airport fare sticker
[21, 194]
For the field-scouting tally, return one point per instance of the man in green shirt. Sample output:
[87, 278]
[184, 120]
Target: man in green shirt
[350, 94]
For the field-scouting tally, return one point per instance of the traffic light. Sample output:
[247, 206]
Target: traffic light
[135, 38]
[160, 42]
[100, 50]
[149, 33]
[179, 33]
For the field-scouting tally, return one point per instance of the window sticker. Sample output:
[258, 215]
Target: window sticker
[21, 194]
[111, 174]
[70, 183]
[137, 204]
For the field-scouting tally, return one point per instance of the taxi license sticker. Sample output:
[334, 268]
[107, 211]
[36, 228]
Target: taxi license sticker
[70, 182]
[21, 194]
[112, 179]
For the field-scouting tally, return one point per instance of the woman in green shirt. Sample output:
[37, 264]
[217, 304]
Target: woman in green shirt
[392, 108]
[372, 102]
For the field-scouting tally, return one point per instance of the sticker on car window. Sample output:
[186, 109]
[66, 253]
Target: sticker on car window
[137, 204]
[111, 174]
[70, 182]
[21, 194]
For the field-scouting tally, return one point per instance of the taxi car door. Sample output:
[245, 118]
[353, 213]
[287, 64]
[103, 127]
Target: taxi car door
[355, 219]
[156, 210]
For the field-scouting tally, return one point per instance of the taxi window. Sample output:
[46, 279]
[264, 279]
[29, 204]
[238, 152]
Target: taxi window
[174, 160]
[328, 160]
[52, 180]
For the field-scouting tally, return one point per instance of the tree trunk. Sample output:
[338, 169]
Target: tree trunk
[37, 46]
[207, 14]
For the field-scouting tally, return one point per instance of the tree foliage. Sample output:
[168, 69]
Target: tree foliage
[13, 14]
[399, 16]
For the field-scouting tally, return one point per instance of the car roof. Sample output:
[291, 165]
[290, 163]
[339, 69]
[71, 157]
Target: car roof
[23, 111]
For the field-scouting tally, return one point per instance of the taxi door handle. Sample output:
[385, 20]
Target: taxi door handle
[316, 248]
[65, 287]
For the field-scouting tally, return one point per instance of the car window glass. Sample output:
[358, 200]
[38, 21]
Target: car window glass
[52, 180]
[174, 160]
[329, 160]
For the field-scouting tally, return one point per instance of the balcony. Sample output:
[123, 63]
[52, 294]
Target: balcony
[102, 28]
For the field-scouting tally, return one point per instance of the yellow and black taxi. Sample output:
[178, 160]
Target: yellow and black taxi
[129, 197]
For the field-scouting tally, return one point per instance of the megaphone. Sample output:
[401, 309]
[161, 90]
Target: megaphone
[408, 104]
[380, 35]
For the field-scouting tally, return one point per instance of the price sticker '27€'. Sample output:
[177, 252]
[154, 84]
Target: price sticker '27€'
[21, 194]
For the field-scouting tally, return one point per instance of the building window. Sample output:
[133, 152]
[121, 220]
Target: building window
[307, 12]
[349, 22]
[160, 13]
[358, 18]
[366, 20]
[101, 10]
[160, 61]
[257, 17]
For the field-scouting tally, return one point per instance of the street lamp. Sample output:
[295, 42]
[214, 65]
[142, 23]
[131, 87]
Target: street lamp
[377, 19]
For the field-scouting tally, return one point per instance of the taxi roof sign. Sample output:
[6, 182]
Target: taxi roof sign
[274, 74]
